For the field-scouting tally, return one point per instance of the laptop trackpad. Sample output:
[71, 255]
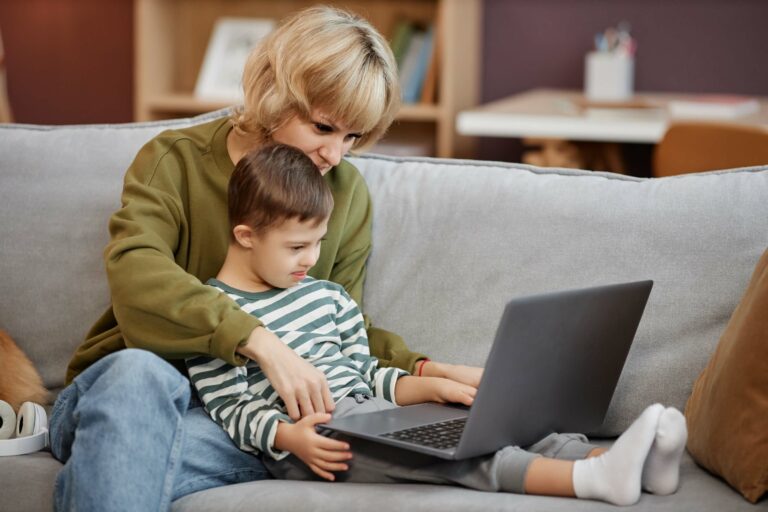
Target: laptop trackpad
[381, 422]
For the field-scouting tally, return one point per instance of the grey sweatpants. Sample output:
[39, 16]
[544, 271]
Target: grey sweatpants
[379, 463]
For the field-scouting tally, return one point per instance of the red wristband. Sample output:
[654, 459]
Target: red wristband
[421, 366]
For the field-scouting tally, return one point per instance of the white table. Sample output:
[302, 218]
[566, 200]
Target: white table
[561, 114]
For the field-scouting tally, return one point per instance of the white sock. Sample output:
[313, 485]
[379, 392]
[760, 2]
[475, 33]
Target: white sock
[661, 473]
[615, 475]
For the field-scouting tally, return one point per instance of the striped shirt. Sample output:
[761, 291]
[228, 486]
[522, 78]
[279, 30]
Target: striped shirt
[323, 325]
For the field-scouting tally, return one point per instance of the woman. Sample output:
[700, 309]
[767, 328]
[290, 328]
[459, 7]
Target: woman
[126, 427]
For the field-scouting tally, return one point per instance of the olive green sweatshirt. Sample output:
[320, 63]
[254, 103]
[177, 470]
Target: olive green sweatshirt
[171, 235]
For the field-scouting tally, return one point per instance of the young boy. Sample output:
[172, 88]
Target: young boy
[279, 205]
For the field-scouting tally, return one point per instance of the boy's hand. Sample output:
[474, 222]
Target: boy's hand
[450, 391]
[303, 388]
[469, 375]
[322, 454]
[411, 390]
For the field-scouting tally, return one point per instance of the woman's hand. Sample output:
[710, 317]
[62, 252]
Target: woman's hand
[469, 375]
[303, 388]
[323, 455]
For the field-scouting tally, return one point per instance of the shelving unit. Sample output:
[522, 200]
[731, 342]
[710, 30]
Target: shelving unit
[171, 37]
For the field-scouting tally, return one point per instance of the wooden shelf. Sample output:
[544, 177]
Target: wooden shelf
[171, 37]
[188, 104]
[181, 103]
[419, 112]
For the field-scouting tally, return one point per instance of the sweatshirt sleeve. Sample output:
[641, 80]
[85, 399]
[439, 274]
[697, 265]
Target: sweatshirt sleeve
[250, 420]
[354, 345]
[349, 271]
[159, 305]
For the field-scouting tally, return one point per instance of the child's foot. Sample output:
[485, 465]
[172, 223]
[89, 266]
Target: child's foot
[661, 473]
[615, 475]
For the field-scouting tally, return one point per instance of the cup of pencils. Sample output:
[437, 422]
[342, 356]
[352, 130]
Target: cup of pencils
[609, 71]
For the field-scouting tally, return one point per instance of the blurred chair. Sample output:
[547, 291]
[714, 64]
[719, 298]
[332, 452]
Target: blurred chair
[707, 146]
[595, 156]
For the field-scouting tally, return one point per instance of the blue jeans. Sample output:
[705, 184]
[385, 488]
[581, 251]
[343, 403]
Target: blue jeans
[130, 438]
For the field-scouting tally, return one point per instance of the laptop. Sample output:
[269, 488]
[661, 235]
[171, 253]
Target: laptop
[553, 367]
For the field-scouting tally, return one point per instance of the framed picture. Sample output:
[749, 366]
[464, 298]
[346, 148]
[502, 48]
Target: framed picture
[231, 42]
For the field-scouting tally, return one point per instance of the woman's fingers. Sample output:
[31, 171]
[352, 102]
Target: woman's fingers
[306, 394]
[289, 398]
[303, 388]
[305, 404]
[330, 405]
[317, 397]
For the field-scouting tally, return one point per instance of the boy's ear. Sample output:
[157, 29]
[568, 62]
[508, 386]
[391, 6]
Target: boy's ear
[243, 235]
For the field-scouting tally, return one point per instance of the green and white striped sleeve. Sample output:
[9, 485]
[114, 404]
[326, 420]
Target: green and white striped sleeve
[354, 344]
[250, 419]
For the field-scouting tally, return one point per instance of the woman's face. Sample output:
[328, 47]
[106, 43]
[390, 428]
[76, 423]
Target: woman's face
[323, 139]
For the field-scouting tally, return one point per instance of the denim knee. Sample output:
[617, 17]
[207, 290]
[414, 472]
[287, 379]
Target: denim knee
[130, 379]
[134, 370]
[127, 411]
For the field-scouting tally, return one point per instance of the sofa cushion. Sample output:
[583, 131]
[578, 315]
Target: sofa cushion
[27, 482]
[699, 492]
[727, 412]
[453, 241]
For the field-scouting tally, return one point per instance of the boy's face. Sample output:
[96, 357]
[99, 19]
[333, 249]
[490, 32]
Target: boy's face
[323, 139]
[282, 256]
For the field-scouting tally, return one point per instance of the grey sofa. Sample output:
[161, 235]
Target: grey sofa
[453, 240]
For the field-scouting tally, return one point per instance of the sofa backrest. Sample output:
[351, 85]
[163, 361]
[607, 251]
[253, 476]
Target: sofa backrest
[453, 240]
[58, 187]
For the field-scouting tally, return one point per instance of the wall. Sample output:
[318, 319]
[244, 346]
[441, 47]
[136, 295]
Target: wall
[683, 46]
[69, 61]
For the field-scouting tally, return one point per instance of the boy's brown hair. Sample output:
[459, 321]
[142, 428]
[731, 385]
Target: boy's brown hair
[275, 183]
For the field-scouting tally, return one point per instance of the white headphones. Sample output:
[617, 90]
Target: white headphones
[30, 429]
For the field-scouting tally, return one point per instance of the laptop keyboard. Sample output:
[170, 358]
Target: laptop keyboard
[442, 435]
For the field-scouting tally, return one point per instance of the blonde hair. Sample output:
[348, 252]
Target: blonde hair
[320, 58]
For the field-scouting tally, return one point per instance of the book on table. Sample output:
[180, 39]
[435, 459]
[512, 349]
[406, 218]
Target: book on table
[714, 106]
